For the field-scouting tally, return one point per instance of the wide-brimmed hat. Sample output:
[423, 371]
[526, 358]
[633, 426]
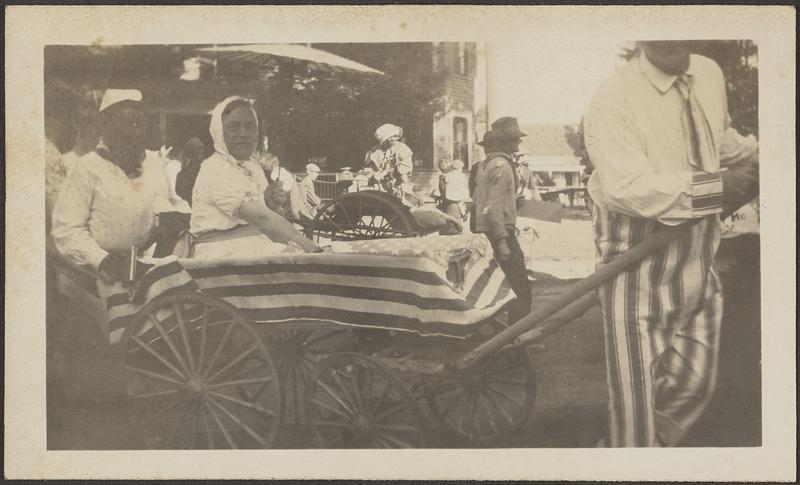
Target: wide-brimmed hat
[507, 128]
[384, 132]
[489, 137]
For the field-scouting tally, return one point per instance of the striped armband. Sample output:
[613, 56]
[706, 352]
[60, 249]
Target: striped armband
[706, 193]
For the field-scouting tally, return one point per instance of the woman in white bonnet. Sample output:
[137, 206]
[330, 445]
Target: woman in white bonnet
[229, 216]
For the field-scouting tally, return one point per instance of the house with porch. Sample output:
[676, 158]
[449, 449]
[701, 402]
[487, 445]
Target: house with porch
[549, 154]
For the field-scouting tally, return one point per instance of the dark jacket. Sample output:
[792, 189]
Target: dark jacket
[494, 193]
[184, 182]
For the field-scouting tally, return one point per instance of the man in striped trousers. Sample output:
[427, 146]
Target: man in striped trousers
[655, 132]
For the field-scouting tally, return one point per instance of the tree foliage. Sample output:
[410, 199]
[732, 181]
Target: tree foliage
[309, 112]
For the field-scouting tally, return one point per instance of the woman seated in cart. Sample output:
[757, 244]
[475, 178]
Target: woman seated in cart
[229, 215]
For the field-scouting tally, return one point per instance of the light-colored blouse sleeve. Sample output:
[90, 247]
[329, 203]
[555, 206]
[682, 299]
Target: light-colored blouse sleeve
[228, 189]
[71, 214]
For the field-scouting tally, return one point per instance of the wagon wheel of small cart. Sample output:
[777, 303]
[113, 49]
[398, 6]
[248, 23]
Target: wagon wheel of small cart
[297, 352]
[200, 376]
[367, 214]
[487, 402]
[357, 402]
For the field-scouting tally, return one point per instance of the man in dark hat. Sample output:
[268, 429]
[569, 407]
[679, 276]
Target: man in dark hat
[494, 193]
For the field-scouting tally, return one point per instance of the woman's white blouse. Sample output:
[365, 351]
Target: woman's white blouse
[222, 187]
[99, 209]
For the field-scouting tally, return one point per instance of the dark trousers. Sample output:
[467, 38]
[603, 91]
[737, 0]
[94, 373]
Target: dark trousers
[517, 276]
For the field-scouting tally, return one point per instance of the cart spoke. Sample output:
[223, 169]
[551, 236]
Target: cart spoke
[393, 440]
[505, 395]
[247, 429]
[397, 427]
[175, 427]
[443, 390]
[489, 415]
[332, 424]
[501, 410]
[463, 417]
[158, 356]
[347, 216]
[335, 397]
[154, 394]
[475, 415]
[454, 403]
[381, 442]
[261, 364]
[169, 342]
[382, 398]
[207, 425]
[253, 406]
[203, 338]
[357, 387]
[233, 363]
[185, 337]
[331, 409]
[222, 428]
[501, 366]
[391, 412]
[336, 439]
[149, 419]
[339, 228]
[241, 382]
[215, 356]
[375, 211]
[195, 418]
[295, 383]
[368, 375]
[510, 382]
[345, 391]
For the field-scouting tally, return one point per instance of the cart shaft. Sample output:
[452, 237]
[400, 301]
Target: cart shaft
[604, 273]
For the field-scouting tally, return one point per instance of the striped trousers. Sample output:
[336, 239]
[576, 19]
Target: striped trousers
[661, 324]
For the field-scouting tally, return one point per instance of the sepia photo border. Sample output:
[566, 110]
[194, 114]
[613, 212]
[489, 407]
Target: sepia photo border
[29, 29]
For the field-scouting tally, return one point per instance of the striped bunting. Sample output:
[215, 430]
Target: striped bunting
[408, 293]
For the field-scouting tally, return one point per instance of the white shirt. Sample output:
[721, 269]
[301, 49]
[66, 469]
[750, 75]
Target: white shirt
[100, 209]
[457, 186]
[222, 186]
[637, 142]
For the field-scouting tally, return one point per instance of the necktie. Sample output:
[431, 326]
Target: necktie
[701, 150]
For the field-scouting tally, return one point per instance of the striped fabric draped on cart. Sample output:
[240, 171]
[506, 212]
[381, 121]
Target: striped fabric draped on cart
[402, 284]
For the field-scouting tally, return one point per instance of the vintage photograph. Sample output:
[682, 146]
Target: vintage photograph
[397, 245]
[449, 242]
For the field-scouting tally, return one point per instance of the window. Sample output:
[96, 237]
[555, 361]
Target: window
[461, 140]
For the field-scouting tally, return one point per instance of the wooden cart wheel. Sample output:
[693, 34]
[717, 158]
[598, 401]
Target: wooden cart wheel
[297, 352]
[368, 214]
[200, 376]
[357, 402]
[489, 401]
